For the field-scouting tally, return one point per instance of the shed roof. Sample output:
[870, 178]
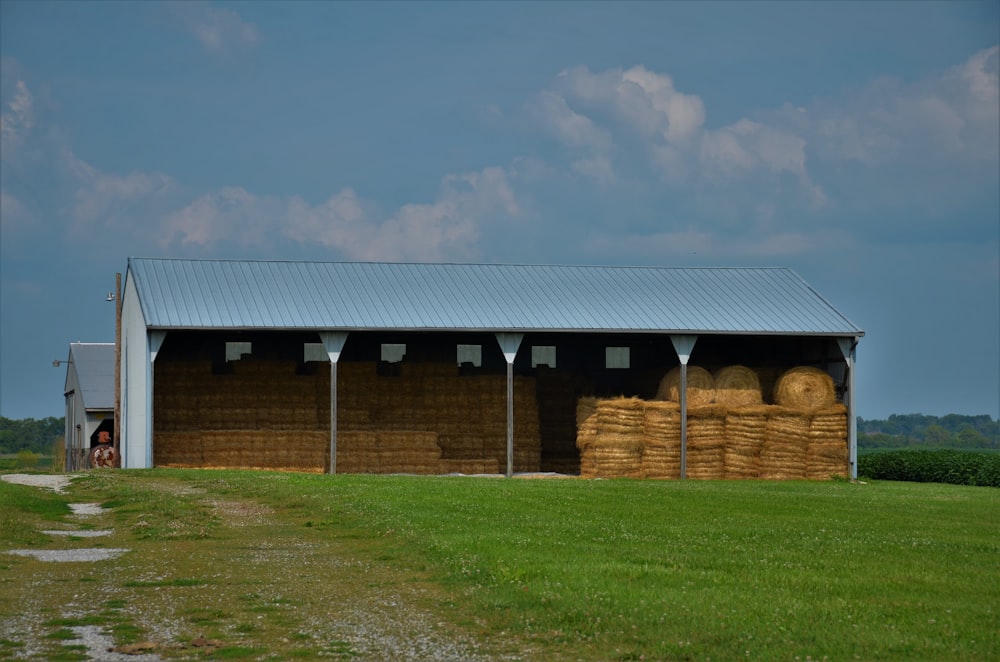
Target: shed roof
[254, 294]
[94, 364]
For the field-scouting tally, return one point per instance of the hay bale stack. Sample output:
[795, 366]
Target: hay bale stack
[615, 450]
[661, 455]
[745, 430]
[805, 388]
[786, 438]
[408, 451]
[737, 386]
[828, 455]
[177, 449]
[700, 386]
[357, 452]
[706, 442]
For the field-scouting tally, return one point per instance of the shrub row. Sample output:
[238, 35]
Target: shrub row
[933, 466]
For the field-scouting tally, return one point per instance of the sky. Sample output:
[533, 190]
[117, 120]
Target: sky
[856, 143]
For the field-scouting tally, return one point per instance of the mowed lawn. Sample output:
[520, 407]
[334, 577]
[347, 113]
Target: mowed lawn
[610, 569]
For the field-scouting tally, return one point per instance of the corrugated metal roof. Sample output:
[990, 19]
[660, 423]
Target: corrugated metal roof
[206, 294]
[94, 364]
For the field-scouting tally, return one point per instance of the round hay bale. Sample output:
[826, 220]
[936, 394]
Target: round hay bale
[805, 389]
[737, 386]
[700, 386]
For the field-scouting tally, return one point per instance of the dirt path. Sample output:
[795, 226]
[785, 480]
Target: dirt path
[198, 566]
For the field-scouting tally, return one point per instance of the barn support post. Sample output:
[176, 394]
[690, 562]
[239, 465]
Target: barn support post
[683, 345]
[156, 339]
[333, 342]
[848, 347]
[509, 343]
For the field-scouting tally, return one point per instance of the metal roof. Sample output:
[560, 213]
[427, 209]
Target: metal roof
[253, 294]
[94, 364]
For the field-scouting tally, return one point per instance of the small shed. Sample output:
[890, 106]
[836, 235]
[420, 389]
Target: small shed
[433, 368]
[90, 399]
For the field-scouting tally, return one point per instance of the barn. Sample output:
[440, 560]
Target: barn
[90, 398]
[447, 368]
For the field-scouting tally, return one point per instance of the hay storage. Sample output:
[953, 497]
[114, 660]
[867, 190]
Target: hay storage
[786, 438]
[615, 448]
[700, 386]
[724, 440]
[661, 456]
[827, 454]
[706, 442]
[805, 389]
[745, 430]
[737, 386]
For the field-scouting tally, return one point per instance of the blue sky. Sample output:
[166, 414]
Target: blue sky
[856, 143]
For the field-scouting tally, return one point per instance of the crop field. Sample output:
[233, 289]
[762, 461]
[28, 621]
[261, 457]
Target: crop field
[260, 565]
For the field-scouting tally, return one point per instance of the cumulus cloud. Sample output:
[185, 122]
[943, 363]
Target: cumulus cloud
[447, 228]
[951, 116]
[219, 31]
[108, 199]
[671, 125]
[930, 140]
[17, 119]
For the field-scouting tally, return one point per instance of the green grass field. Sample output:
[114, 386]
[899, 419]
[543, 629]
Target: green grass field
[533, 569]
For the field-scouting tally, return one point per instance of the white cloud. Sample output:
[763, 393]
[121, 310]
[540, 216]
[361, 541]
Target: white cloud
[231, 215]
[684, 113]
[447, 228]
[674, 141]
[17, 120]
[952, 117]
[647, 101]
[107, 199]
[219, 31]
[569, 127]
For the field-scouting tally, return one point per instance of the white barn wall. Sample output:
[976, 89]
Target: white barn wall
[136, 391]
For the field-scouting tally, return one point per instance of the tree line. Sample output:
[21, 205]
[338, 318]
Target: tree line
[29, 434]
[923, 431]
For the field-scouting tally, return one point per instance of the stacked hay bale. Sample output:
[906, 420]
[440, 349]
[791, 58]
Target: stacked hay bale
[661, 456]
[466, 413]
[177, 401]
[706, 442]
[259, 415]
[827, 454]
[746, 428]
[731, 432]
[737, 389]
[798, 394]
[783, 454]
[614, 448]
[700, 386]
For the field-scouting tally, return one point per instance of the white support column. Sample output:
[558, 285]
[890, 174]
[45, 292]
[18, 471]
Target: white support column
[848, 347]
[509, 343]
[683, 345]
[333, 342]
[156, 339]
